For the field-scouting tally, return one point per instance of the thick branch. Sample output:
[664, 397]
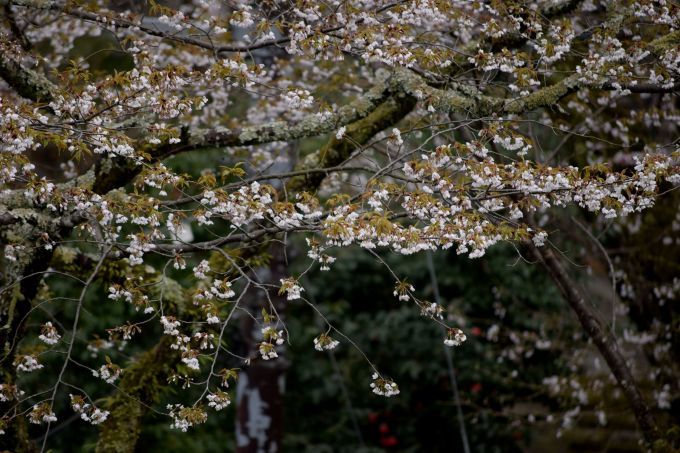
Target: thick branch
[336, 151]
[311, 125]
[26, 82]
[116, 172]
[479, 105]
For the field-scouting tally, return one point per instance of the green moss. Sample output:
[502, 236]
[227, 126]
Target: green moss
[113, 173]
[141, 386]
[542, 98]
[26, 82]
[358, 133]
[671, 41]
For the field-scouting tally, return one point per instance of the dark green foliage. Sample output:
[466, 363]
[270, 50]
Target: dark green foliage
[357, 297]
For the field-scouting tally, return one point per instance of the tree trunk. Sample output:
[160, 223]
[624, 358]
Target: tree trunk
[15, 304]
[260, 389]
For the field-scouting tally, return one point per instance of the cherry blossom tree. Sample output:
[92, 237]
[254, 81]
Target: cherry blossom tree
[380, 126]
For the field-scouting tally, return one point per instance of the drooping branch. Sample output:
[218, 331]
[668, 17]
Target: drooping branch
[146, 377]
[144, 381]
[604, 341]
[21, 279]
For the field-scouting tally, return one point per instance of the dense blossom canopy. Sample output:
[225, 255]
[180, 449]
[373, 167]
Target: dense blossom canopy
[402, 126]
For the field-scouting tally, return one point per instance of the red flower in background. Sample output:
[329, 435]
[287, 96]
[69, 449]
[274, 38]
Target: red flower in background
[387, 442]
